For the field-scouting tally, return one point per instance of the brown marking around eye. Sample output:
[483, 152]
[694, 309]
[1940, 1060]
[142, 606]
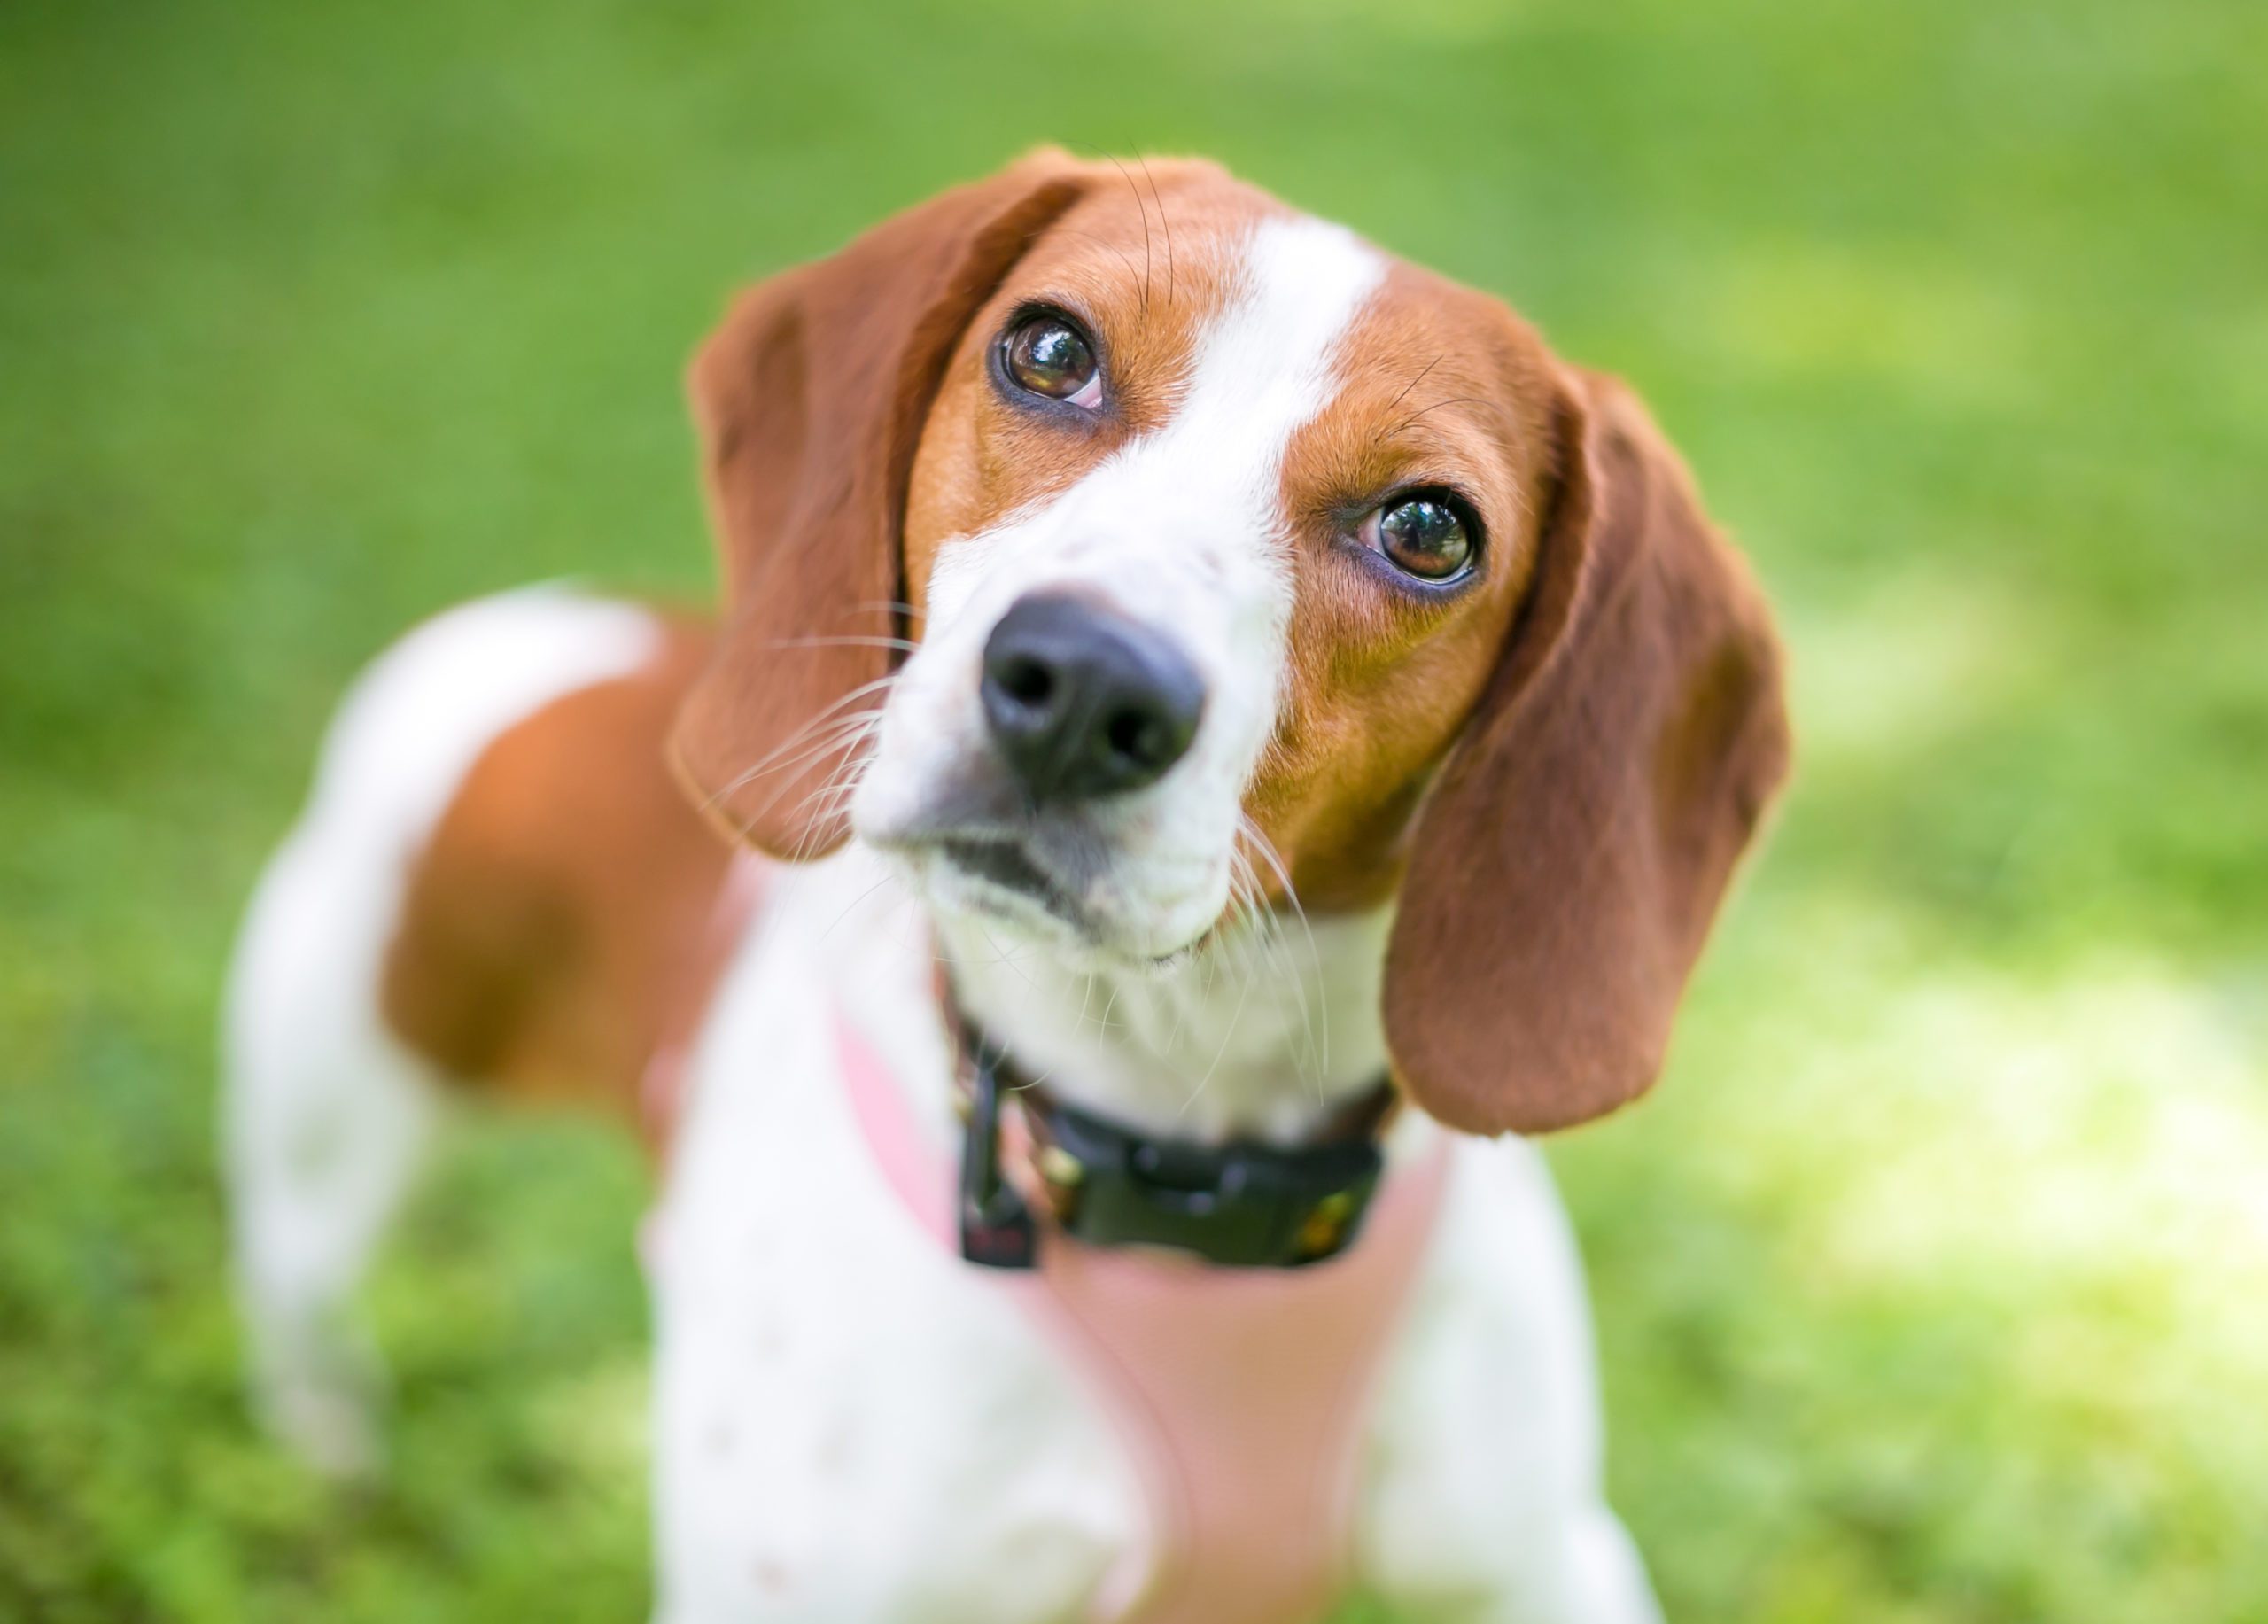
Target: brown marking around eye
[1439, 387]
[982, 457]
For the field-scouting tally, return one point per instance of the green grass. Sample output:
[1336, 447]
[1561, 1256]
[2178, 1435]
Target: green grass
[1934, 1285]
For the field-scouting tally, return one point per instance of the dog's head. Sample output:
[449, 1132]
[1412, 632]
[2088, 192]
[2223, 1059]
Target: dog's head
[1223, 538]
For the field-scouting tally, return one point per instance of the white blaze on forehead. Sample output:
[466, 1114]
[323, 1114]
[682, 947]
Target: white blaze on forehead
[1264, 365]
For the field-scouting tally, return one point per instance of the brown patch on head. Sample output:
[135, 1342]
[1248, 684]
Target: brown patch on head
[1551, 764]
[1572, 854]
[850, 426]
[811, 397]
[1143, 263]
[1441, 389]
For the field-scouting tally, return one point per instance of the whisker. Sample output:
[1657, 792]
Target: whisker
[1144, 210]
[827, 799]
[1268, 950]
[1001, 957]
[846, 737]
[841, 780]
[904, 643]
[1435, 407]
[1414, 382]
[1163, 224]
[1112, 159]
[798, 737]
[1266, 849]
[1137, 277]
[1227, 1037]
[853, 904]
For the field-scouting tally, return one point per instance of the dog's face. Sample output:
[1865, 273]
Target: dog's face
[1205, 567]
[1236, 558]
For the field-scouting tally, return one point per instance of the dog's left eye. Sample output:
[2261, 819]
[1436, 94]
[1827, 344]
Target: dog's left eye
[1424, 533]
[1046, 354]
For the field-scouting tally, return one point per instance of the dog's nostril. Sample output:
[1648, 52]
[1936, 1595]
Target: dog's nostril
[1137, 737]
[1028, 681]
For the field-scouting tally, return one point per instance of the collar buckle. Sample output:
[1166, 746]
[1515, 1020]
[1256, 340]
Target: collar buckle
[996, 1227]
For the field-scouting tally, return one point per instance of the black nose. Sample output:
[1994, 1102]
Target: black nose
[1086, 703]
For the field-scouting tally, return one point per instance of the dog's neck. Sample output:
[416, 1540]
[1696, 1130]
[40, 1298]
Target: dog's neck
[1262, 1032]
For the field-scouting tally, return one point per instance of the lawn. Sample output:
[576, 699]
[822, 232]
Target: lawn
[1933, 1285]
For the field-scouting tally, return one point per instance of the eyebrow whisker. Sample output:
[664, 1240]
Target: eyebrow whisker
[1414, 382]
[1163, 225]
[1132, 276]
[1435, 407]
[1144, 208]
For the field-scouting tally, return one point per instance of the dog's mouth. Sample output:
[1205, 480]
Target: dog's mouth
[1006, 864]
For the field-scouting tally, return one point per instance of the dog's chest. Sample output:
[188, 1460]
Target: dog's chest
[849, 1422]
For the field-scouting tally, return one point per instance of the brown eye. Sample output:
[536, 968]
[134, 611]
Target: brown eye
[1425, 536]
[1049, 356]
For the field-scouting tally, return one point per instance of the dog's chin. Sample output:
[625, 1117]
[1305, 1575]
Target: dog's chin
[1017, 899]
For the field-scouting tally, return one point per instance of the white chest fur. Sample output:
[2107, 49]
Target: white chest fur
[852, 1425]
[849, 1425]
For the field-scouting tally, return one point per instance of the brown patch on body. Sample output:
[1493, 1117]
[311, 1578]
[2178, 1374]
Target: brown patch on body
[559, 906]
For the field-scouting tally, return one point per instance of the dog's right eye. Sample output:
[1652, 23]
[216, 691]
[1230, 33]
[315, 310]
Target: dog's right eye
[1049, 356]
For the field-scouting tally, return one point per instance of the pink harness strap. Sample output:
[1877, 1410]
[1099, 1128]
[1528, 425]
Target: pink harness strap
[1242, 1392]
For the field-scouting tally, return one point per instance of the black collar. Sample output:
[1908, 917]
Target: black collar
[1242, 1204]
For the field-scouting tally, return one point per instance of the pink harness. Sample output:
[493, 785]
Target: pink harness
[1241, 1393]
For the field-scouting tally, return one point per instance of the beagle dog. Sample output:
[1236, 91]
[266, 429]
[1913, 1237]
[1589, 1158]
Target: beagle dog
[1218, 734]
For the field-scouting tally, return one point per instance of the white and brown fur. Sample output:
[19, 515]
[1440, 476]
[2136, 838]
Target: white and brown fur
[1473, 837]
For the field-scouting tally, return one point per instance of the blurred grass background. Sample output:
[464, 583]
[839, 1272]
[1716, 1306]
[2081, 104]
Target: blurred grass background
[1933, 1286]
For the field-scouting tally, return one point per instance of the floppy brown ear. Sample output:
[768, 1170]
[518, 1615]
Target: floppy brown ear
[1572, 851]
[810, 399]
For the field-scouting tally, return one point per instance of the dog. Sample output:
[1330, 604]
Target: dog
[1215, 736]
